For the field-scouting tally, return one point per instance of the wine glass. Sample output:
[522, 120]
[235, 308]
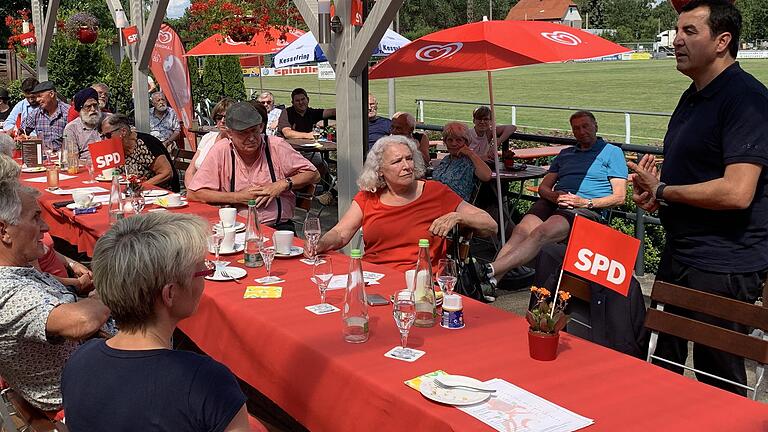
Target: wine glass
[214, 243]
[404, 312]
[267, 254]
[316, 133]
[446, 275]
[312, 233]
[323, 272]
[88, 163]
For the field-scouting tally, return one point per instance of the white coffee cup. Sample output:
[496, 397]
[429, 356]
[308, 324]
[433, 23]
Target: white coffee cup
[83, 199]
[409, 274]
[228, 243]
[107, 173]
[174, 200]
[227, 216]
[283, 240]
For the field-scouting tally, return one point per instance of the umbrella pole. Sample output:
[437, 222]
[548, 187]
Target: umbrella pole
[261, 83]
[502, 231]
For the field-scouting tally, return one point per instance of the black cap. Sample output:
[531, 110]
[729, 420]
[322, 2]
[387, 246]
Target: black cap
[4, 94]
[44, 86]
[242, 116]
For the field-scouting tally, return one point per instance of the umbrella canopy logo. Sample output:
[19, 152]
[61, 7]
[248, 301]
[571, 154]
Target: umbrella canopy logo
[562, 37]
[228, 40]
[431, 53]
[164, 37]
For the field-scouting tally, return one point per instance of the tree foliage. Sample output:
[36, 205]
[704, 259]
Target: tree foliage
[221, 76]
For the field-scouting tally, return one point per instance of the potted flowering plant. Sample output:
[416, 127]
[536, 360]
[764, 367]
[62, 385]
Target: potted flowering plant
[241, 19]
[546, 323]
[84, 26]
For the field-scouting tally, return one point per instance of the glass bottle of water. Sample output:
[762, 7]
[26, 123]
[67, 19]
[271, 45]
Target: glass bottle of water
[251, 254]
[355, 312]
[115, 200]
[423, 287]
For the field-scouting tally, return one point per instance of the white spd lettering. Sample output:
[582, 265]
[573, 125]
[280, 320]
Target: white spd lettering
[595, 263]
[107, 160]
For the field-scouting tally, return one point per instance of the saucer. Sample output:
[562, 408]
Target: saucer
[33, 169]
[234, 272]
[239, 226]
[238, 248]
[154, 193]
[163, 202]
[295, 251]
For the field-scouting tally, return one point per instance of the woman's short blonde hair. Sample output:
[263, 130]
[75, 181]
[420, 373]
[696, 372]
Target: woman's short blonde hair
[140, 255]
[369, 179]
[456, 130]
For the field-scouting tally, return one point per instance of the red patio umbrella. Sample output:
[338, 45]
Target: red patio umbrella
[490, 46]
[262, 43]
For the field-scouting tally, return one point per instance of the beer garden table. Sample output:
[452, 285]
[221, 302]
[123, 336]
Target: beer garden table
[300, 361]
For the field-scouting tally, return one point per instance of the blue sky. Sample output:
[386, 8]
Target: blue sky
[176, 8]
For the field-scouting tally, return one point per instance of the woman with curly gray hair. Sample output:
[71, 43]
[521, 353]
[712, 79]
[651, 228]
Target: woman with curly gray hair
[396, 208]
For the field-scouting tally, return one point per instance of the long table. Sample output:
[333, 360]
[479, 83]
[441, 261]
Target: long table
[300, 362]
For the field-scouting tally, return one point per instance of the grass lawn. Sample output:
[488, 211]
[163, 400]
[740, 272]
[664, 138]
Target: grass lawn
[637, 85]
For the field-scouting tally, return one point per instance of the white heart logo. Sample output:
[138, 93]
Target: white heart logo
[562, 37]
[431, 53]
[164, 37]
[228, 40]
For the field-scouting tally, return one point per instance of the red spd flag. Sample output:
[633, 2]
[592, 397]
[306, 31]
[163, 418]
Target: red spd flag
[356, 15]
[131, 35]
[601, 254]
[27, 38]
[107, 154]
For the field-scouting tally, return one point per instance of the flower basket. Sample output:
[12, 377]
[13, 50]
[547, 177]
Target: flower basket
[83, 26]
[543, 346]
[87, 35]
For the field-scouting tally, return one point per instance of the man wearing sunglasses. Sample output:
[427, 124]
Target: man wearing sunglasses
[268, 100]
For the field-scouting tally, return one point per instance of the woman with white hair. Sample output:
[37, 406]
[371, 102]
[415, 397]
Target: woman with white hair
[7, 145]
[149, 269]
[459, 169]
[396, 208]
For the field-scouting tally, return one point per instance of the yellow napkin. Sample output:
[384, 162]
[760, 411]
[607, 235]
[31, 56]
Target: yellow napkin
[261, 291]
[415, 383]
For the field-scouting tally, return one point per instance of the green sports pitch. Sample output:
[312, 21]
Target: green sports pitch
[651, 86]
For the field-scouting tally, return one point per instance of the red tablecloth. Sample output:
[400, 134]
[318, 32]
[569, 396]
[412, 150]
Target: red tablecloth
[84, 230]
[300, 362]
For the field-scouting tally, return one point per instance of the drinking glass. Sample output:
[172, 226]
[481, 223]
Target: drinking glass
[317, 133]
[267, 254]
[404, 312]
[323, 272]
[214, 243]
[88, 163]
[446, 275]
[312, 233]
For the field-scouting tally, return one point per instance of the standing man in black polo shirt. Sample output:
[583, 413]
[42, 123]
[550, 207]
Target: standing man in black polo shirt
[712, 196]
[298, 120]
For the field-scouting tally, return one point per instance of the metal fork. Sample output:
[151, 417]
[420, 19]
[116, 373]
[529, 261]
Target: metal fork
[226, 275]
[464, 387]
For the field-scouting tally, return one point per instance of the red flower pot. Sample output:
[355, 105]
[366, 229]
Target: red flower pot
[87, 35]
[543, 346]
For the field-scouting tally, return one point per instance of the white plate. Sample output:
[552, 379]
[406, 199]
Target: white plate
[239, 226]
[184, 203]
[238, 248]
[452, 396]
[234, 272]
[295, 251]
[75, 206]
[154, 193]
[33, 169]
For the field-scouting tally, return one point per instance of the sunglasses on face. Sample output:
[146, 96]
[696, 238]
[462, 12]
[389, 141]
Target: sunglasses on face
[210, 269]
[218, 118]
[108, 135]
[266, 102]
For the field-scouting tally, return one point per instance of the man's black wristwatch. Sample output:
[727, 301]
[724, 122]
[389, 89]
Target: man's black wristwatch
[590, 204]
[659, 194]
[290, 183]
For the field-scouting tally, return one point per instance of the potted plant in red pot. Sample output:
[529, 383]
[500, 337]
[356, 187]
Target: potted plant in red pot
[84, 26]
[545, 324]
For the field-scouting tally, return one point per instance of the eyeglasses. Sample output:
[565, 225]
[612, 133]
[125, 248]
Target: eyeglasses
[266, 102]
[217, 118]
[108, 135]
[210, 269]
[91, 106]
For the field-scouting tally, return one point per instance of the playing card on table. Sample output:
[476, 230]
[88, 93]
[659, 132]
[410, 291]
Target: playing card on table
[257, 291]
[404, 354]
[322, 309]
[269, 280]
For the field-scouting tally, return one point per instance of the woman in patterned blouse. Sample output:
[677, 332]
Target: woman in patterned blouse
[458, 169]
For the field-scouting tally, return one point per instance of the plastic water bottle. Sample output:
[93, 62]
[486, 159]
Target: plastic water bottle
[355, 312]
[116, 209]
[251, 255]
[423, 287]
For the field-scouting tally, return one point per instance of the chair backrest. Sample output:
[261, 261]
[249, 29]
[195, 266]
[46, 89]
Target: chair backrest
[182, 159]
[720, 338]
[576, 286]
[304, 197]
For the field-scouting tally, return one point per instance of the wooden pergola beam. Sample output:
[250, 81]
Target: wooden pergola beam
[379, 19]
[149, 35]
[44, 45]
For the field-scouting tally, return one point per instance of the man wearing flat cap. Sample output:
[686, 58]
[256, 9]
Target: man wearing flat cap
[50, 117]
[84, 129]
[251, 166]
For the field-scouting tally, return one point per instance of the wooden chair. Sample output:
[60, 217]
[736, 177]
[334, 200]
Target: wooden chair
[305, 196]
[182, 159]
[18, 415]
[747, 346]
[578, 288]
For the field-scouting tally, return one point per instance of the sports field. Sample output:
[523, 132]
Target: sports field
[653, 85]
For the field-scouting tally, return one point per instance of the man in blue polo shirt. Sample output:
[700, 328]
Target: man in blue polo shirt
[585, 179]
[712, 197]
